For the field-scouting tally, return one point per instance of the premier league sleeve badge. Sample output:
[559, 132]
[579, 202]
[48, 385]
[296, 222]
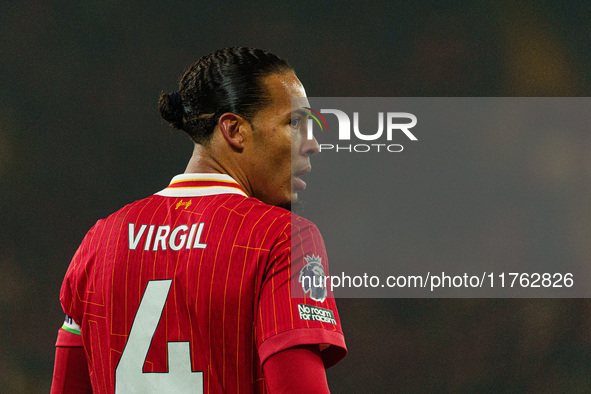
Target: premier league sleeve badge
[312, 278]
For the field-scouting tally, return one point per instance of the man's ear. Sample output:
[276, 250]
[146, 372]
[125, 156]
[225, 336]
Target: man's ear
[233, 128]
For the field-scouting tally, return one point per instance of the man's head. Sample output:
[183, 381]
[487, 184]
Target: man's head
[236, 105]
[227, 80]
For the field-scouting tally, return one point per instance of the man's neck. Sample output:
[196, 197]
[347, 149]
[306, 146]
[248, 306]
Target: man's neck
[203, 161]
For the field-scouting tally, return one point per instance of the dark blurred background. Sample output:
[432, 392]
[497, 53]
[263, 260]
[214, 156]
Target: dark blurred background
[80, 136]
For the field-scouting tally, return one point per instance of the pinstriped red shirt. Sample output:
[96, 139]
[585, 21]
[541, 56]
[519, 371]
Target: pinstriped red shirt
[195, 286]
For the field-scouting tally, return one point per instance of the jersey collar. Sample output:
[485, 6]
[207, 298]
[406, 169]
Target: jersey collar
[197, 185]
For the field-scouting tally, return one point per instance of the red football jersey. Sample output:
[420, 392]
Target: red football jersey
[190, 290]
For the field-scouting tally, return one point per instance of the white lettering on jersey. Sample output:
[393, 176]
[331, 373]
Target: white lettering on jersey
[134, 240]
[191, 235]
[163, 237]
[171, 242]
[149, 237]
[198, 243]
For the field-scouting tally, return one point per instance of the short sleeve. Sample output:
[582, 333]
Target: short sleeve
[67, 291]
[76, 277]
[294, 307]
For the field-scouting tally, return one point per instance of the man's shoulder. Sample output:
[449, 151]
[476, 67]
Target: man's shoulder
[265, 219]
[254, 212]
[257, 209]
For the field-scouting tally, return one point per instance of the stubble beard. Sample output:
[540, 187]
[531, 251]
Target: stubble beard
[296, 207]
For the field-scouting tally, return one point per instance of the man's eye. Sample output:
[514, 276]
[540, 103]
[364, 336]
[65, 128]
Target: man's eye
[295, 122]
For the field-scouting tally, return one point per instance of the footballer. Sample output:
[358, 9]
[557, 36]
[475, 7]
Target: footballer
[190, 290]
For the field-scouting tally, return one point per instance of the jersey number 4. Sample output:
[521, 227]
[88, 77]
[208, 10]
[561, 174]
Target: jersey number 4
[129, 377]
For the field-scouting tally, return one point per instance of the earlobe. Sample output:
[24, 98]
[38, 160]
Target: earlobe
[232, 128]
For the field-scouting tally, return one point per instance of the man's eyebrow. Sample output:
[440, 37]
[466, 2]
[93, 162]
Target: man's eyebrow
[301, 111]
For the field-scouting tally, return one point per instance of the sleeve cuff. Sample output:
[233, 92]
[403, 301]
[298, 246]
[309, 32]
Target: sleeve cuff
[67, 338]
[331, 354]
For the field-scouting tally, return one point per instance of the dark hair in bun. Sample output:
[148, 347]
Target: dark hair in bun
[228, 80]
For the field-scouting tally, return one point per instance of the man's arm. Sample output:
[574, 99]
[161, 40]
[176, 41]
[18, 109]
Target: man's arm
[298, 369]
[70, 373]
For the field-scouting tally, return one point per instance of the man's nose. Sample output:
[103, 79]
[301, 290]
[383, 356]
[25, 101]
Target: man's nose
[310, 147]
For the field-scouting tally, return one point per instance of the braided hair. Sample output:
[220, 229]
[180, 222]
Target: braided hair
[228, 80]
